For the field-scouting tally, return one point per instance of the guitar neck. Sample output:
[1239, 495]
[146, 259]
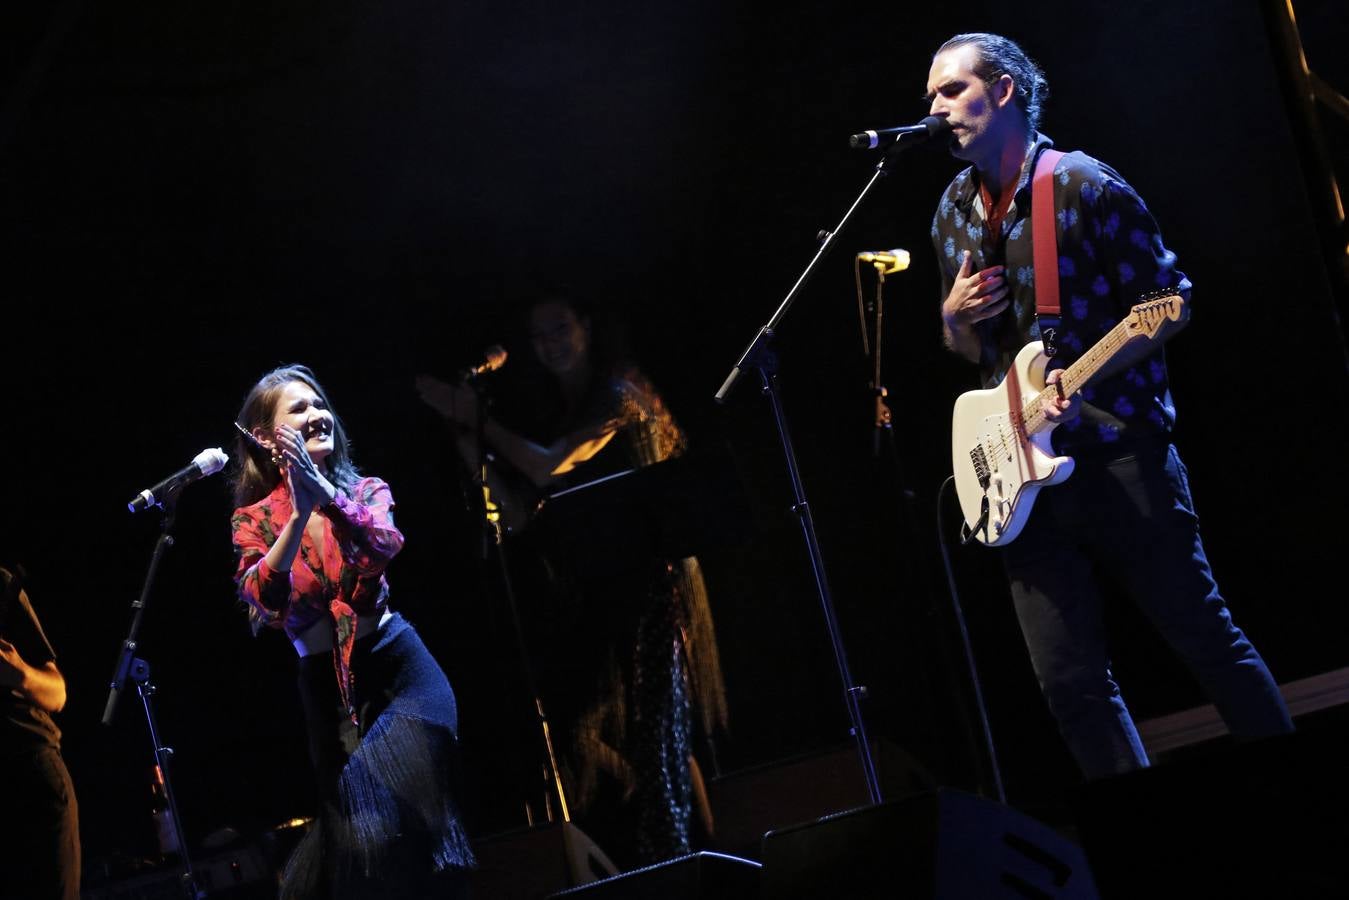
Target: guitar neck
[1079, 374]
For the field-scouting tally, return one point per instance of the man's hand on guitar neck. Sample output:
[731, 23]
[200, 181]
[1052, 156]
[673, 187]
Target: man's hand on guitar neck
[1058, 408]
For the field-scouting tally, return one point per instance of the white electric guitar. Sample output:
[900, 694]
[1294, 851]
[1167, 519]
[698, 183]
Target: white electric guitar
[1000, 446]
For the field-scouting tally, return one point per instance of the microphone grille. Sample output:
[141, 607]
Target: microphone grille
[496, 357]
[211, 461]
[936, 125]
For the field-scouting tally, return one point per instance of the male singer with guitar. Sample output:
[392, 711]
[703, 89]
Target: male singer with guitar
[1123, 523]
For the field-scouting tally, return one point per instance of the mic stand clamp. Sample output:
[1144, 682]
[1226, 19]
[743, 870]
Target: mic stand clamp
[133, 668]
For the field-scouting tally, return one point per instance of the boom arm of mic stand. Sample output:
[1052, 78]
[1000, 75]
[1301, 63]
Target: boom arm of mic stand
[124, 659]
[756, 347]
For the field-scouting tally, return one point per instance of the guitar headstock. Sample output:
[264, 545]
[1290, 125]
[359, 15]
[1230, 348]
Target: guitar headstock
[1153, 311]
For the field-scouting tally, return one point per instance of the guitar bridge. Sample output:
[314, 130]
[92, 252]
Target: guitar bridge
[980, 462]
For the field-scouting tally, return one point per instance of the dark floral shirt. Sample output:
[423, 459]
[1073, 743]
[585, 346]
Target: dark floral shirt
[1110, 255]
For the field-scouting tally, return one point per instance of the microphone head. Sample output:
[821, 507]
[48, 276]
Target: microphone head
[495, 358]
[887, 262]
[936, 126]
[211, 461]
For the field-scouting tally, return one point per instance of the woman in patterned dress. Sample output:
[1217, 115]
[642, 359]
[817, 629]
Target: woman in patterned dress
[630, 654]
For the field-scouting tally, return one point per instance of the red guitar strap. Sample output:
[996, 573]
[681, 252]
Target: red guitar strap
[1044, 239]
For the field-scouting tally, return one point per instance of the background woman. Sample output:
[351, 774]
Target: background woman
[628, 653]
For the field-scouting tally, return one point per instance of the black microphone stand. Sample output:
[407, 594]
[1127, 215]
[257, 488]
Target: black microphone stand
[882, 417]
[884, 425]
[760, 356]
[130, 666]
[494, 530]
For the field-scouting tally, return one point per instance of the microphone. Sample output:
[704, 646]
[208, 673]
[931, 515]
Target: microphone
[491, 359]
[207, 462]
[908, 135]
[886, 261]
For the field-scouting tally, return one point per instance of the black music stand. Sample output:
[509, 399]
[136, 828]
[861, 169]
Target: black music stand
[616, 526]
[669, 510]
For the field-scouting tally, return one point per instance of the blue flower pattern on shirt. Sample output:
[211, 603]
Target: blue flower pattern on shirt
[1111, 253]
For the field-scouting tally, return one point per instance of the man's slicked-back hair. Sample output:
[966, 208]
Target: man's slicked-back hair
[1000, 56]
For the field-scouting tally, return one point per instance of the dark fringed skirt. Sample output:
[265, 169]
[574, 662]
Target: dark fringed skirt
[389, 825]
[650, 681]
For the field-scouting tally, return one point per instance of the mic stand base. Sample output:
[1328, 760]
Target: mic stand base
[140, 674]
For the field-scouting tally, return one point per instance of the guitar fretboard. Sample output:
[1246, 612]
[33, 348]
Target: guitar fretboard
[1142, 323]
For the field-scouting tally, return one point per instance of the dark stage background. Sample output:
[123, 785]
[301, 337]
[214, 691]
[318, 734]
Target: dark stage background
[193, 195]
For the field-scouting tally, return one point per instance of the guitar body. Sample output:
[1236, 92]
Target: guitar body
[514, 497]
[999, 468]
[1000, 450]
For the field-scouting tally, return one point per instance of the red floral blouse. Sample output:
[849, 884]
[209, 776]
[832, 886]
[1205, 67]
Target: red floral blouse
[342, 579]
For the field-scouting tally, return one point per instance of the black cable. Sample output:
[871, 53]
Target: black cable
[966, 645]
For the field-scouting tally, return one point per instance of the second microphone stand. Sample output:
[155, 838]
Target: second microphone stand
[872, 348]
[132, 667]
[495, 531]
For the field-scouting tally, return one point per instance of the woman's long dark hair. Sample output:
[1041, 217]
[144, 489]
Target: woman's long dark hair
[256, 476]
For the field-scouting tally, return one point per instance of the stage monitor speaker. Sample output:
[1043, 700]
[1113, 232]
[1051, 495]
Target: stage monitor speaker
[532, 863]
[1261, 819]
[749, 803]
[242, 871]
[698, 876]
[943, 845]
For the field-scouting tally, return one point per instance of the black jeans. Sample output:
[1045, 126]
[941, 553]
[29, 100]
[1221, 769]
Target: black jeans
[1130, 522]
